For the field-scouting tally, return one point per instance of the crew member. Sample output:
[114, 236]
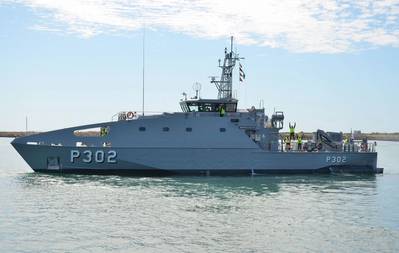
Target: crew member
[299, 142]
[364, 146]
[222, 111]
[103, 131]
[346, 143]
[292, 131]
[287, 143]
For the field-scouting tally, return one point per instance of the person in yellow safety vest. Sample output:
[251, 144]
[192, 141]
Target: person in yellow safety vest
[299, 142]
[103, 131]
[346, 141]
[292, 131]
[287, 144]
[222, 111]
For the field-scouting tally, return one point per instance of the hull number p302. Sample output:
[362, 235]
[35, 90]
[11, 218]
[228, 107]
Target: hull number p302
[336, 159]
[98, 156]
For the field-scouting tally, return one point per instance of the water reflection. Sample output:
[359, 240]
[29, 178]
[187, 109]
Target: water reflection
[216, 186]
[184, 210]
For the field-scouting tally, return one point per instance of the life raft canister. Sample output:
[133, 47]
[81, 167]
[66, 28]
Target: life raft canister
[130, 115]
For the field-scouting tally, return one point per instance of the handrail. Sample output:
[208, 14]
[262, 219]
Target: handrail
[356, 146]
[122, 115]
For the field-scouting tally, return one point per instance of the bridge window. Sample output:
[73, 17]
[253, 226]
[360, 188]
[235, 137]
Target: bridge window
[165, 129]
[231, 107]
[222, 129]
[189, 129]
[205, 106]
[141, 129]
[193, 107]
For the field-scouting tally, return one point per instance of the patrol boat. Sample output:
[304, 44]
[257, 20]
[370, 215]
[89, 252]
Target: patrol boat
[209, 137]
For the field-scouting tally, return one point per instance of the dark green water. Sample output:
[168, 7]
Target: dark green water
[332, 213]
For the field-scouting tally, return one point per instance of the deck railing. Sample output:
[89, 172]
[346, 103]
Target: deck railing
[355, 146]
[132, 115]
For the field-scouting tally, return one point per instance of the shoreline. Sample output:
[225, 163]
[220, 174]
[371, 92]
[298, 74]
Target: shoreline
[15, 134]
[374, 136]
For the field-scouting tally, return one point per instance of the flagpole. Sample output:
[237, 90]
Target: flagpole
[143, 70]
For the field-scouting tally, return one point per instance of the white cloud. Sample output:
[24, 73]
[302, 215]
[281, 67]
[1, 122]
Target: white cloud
[325, 26]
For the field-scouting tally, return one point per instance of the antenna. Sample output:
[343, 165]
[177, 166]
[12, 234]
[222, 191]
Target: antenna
[231, 43]
[143, 68]
[185, 96]
[197, 89]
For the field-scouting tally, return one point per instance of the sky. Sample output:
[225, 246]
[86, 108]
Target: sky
[328, 64]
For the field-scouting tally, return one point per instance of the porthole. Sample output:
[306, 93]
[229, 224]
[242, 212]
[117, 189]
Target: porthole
[165, 129]
[189, 129]
[141, 129]
[222, 129]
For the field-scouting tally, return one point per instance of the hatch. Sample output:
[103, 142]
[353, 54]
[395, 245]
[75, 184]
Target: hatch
[53, 163]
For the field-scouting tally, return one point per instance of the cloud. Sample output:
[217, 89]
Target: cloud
[323, 26]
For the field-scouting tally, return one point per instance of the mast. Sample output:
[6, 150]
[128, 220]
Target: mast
[225, 84]
[143, 69]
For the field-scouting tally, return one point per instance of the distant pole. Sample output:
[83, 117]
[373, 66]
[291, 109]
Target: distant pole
[231, 43]
[26, 125]
[143, 68]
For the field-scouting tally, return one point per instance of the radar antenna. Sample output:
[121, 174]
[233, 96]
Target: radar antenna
[225, 84]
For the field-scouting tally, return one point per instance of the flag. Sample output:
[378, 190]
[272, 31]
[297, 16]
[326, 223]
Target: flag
[242, 74]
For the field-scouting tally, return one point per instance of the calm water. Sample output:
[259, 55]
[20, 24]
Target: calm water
[334, 213]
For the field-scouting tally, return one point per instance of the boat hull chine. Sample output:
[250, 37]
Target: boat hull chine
[166, 173]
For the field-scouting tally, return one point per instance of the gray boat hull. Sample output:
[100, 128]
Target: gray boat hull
[190, 161]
